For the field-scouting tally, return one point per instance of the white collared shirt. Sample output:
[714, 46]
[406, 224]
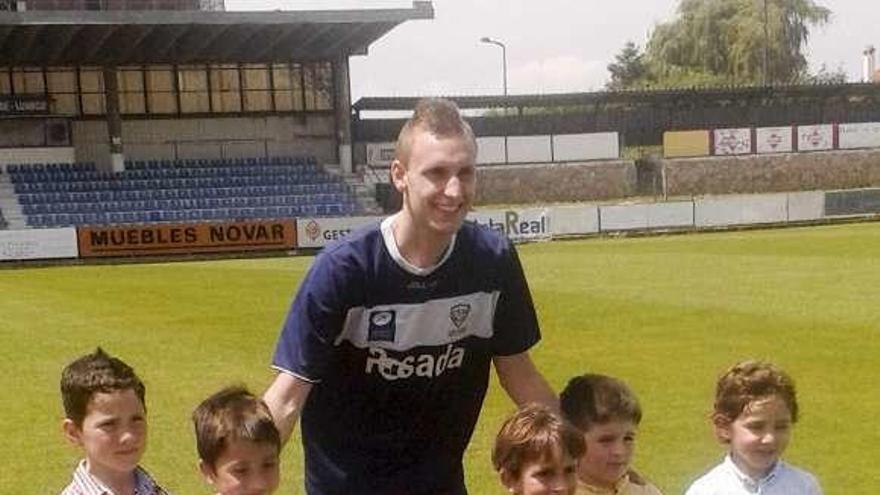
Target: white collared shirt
[727, 479]
[84, 483]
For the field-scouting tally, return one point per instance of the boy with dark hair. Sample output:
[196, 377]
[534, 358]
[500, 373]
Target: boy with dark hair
[105, 415]
[536, 452]
[237, 442]
[608, 414]
[755, 409]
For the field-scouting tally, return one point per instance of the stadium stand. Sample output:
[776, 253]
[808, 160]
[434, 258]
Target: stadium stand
[63, 194]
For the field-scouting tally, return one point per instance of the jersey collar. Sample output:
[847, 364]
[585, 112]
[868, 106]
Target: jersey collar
[394, 251]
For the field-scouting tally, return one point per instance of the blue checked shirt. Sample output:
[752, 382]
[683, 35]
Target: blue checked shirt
[85, 484]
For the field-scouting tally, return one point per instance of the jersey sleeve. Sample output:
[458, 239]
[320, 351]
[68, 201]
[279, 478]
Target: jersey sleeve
[516, 327]
[306, 347]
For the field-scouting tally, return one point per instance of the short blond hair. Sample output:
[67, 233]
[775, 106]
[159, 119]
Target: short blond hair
[438, 116]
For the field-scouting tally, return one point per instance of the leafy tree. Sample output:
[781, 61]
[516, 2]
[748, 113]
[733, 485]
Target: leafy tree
[825, 76]
[628, 68]
[724, 42]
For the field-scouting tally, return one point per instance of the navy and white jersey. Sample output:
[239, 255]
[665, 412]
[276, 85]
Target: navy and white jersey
[400, 357]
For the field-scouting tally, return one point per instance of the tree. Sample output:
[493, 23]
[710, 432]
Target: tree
[628, 69]
[825, 76]
[724, 42]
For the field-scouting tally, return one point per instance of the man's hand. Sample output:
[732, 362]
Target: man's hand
[523, 382]
[286, 397]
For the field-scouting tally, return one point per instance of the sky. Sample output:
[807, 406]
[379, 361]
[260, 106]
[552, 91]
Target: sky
[553, 46]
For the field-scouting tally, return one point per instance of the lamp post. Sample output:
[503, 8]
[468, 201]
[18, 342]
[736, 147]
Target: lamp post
[766, 42]
[488, 40]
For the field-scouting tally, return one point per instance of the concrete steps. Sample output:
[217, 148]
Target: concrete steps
[15, 219]
[364, 190]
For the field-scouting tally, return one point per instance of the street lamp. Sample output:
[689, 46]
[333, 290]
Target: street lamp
[766, 42]
[486, 39]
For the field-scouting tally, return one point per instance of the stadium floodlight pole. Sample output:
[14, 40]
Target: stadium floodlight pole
[766, 42]
[486, 39]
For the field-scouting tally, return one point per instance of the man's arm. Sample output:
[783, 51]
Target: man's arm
[523, 382]
[286, 397]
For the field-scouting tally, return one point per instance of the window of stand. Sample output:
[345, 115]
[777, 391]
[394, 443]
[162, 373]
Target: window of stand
[28, 81]
[161, 91]
[5, 82]
[62, 89]
[132, 96]
[225, 89]
[257, 90]
[91, 86]
[192, 82]
[184, 89]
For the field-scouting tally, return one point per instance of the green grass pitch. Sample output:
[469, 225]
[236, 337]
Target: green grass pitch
[666, 314]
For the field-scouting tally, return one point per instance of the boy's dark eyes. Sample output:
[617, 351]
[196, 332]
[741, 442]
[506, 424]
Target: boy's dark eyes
[239, 471]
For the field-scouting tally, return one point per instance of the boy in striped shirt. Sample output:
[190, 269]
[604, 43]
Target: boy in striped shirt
[105, 415]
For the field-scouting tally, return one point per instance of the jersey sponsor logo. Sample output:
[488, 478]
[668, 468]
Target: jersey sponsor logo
[458, 314]
[382, 326]
[424, 365]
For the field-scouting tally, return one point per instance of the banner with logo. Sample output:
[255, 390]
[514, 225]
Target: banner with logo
[773, 139]
[815, 137]
[318, 232]
[142, 240]
[517, 224]
[37, 244]
[863, 135]
[732, 141]
[380, 154]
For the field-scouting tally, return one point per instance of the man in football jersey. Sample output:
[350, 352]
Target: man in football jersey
[386, 350]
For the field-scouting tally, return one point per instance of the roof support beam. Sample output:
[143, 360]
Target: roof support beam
[5, 31]
[21, 48]
[290, 50]
[291, 32]
[262, 37]
[236, 37]
[65, 39]
[164, 47]
[191, 47]
[99, 43]
[125, 50]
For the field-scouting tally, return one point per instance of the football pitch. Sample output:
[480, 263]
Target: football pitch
[666, 314]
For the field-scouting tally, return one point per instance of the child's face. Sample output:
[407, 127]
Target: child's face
[556, 475]
[113, 433]
[759, 435]
[244, 468]
[609, 452]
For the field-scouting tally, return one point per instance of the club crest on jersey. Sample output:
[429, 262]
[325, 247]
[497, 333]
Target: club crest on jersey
[458, 314]
[382, 326]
